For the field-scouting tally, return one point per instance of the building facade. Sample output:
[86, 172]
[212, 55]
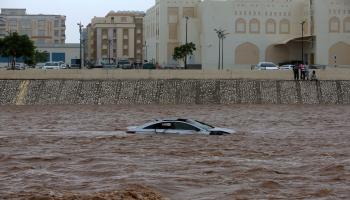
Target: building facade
[42, 29]
[118, 35]
[165, 29]
[279, 31]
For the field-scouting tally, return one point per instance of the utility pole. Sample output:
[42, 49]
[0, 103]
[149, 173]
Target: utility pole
[186, 40]
[109, 51]
[221, 36]
[80, 30]
[302, 40]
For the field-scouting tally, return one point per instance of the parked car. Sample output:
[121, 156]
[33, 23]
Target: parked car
[266, 66]
[178, 126]
[18, 66]
[148, 66]
[317, 66]
[287, 67]
[63, 65]
[124, 64]
[109, 66]
[51, 65]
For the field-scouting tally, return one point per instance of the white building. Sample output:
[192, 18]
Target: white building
[165, 28]
[268, 30]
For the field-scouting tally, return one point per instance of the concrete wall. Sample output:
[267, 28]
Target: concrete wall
[98, 74]
[46, 92]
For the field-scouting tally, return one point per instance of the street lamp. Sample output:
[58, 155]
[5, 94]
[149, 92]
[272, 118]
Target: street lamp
[145, 51]
[302, 40]
[80, 30]
[187, 18]
[221, 36]
[109, 51]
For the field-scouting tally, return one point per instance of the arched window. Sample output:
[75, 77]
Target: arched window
[254, 26]
[346, 25]
[240, 25]
[284, 26]
[334, 25]
[270, 26]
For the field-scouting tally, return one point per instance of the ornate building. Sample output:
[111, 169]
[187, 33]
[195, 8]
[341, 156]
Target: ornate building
[279, 31]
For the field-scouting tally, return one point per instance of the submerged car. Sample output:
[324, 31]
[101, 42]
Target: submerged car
[178, 126]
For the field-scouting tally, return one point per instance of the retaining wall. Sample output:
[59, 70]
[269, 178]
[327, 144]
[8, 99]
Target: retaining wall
[46, 92]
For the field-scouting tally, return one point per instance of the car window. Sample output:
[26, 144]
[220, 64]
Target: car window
[270, 65]
[204, 125]
[184, 126]
[166, 125]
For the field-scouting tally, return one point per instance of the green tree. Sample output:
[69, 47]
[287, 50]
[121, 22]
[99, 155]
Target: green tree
[1, 46]
[181, 52]
[38, 57]
[16, 46]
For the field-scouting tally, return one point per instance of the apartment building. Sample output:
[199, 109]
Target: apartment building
[42, 29]
[279, 31]
[165, 28]
[118, 35]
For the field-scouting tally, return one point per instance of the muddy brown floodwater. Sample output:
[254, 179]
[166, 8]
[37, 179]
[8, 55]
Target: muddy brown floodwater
[82, 152]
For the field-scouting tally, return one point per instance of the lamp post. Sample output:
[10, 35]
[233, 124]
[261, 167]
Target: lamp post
[109, 51]
[187, 18]
[221, 36]
[145, 51]
[80, 30]
[219, 33]
[302, 41]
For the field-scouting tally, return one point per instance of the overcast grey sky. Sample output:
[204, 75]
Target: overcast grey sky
[76, 10]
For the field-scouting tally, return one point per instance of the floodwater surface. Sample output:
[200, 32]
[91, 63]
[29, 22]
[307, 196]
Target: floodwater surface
[83, 152]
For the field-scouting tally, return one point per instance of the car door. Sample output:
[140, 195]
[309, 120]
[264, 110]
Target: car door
[157, 128]
[182, 128]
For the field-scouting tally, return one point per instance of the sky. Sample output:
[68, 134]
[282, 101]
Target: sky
[77, 10]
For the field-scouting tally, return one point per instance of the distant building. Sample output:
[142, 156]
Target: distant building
[42, 29]
[118, 35]
[67, 53]
[258, 30]
[165, 29]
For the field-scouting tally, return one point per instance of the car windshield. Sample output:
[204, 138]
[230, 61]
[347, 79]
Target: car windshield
[123, 62]
[51, 64]
[204, 125]
[270, 65]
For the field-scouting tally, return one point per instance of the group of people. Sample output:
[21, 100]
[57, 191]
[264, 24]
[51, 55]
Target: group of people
[301, 72]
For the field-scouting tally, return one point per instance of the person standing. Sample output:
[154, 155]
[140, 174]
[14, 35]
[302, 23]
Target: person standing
[296, 72]
[302, 71]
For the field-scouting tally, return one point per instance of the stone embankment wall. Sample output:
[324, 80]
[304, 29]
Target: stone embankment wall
[46, 92]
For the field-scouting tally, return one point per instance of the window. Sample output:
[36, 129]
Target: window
[188, 12]
[163, 125]
[123, 19]
[41, 24]
[57, 33]
[270, 26]
[240, 26]
[56, 23]
[184, 126]
[334, 25]
[254, 26]
[284, 26]
[41, 32]
[347, 25]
